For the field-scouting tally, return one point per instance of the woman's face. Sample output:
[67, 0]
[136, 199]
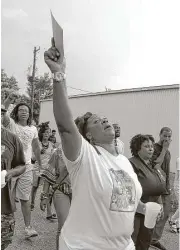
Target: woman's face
[23, 113]
[99, 130]
[46, 134]
[53, 139]
[147, 150]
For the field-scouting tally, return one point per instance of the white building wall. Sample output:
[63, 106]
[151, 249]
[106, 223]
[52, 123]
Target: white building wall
[136, 112]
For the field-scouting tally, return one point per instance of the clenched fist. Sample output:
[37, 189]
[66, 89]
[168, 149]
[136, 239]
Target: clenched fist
[52, 59]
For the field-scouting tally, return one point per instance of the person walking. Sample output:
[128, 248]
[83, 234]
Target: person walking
[12, 164]
[162, 156]
[105, 189]
[20, 125]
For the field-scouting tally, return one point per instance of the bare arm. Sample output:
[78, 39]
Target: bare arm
[165, 148]
[15, 172]
[160, 159]
[10, 99]
[6, 119]
[36, 150]
[71, 139]
[141, 208]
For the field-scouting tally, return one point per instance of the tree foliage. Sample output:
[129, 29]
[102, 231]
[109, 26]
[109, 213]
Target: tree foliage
[8, 85]
[42, 90]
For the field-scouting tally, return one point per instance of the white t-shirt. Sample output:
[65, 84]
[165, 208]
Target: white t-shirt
[26, 135]
[106, 193]
[120, 146]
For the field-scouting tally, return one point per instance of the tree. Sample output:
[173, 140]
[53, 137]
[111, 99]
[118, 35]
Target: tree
[43, 89]
[8, 84]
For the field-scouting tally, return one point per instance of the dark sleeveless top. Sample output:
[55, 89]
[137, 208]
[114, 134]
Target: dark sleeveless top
[149, 180]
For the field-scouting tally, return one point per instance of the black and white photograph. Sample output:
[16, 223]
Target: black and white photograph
[90, 124]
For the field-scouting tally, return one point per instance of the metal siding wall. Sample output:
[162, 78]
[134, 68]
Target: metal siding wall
[136, 112]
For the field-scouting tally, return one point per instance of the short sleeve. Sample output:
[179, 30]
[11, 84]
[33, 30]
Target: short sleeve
[35, 132]
[18, 158]
[85, 151]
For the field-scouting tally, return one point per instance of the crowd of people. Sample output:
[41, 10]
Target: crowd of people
[99, 195]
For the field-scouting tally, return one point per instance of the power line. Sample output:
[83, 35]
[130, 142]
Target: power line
[79, 89]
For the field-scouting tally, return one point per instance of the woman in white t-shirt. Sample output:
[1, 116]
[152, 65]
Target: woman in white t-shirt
[105, 188]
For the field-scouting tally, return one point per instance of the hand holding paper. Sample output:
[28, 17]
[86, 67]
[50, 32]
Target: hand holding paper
[54, 57]
[58, 37]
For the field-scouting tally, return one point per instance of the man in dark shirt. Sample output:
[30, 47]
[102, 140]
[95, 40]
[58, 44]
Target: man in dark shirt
[12, 160]
[52, 137]
[162, 157]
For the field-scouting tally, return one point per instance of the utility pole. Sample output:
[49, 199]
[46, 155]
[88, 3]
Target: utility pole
[33, 77]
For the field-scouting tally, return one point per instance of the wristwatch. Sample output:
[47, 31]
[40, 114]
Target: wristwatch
[59, 76]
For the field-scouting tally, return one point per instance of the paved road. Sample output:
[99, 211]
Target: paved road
[47, 232]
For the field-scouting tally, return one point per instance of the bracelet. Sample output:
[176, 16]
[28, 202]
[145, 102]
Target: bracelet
[59, 76]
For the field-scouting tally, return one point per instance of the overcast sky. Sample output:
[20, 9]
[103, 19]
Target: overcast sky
[113, 43]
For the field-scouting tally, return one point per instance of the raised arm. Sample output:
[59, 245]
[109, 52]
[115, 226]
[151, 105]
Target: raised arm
[10, 99]
[71, 139]
[160, 158]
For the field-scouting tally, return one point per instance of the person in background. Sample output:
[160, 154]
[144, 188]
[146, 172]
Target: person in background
[142, 148]
[13, 162]
[105, 189]
[46, 153]
[118, 142]
[52, 137]
[162, 157]
[174, 221]
[20, 125]
[57, 178]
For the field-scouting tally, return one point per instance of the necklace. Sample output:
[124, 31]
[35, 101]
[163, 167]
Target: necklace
[45, 146]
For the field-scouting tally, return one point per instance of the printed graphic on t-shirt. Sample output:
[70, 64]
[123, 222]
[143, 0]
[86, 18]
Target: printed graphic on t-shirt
[123, 193]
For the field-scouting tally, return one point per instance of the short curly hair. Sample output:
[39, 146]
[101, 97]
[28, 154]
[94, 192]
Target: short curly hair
[81, 123]
[43, 127]
[136, 142]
